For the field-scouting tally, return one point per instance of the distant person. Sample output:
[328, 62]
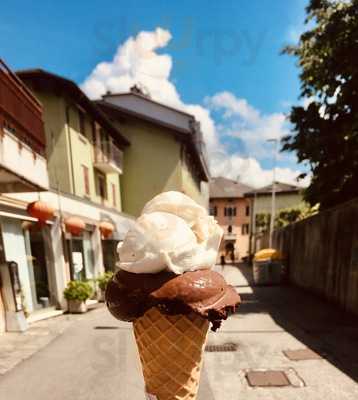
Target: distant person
[222, 260]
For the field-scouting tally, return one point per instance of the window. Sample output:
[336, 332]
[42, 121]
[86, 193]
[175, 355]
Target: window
[101, 182]
[86, 180]
[213, 211]
[247, 211]
[230, 211]
[229, 229]
[114, 197]
[245, 229]
[82, 122]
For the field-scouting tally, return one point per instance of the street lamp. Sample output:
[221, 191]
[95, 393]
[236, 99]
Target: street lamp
[273, 196]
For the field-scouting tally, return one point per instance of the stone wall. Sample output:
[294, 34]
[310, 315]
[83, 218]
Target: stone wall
[322, 254]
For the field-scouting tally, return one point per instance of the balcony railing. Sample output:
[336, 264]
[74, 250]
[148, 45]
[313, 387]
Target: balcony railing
[20, 112]
[108, 157]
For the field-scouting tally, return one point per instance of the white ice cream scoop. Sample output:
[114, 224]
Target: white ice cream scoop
[183, 206]
[176, 203]
[173, 233]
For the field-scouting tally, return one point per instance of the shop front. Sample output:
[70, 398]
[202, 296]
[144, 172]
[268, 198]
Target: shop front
[24, 244]
[81, 255]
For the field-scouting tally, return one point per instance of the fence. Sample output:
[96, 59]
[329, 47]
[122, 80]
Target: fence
[322, 254]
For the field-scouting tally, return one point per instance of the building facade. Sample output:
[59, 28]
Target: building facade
[286, 196]
[85, 163]
[23, 168]
[167, 151]
[232, 211]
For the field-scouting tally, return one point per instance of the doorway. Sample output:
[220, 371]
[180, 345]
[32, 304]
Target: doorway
[39, 266]
[110, 255]
[230, 251]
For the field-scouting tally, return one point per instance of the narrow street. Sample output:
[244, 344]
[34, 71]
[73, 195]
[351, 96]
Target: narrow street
[96, 359]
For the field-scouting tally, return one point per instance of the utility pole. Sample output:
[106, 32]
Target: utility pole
[273, 196]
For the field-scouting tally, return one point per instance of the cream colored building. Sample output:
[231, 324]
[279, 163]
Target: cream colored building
[286, 196]
[167, 151]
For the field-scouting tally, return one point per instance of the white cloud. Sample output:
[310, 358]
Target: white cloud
[249, 171]
[241, 120]
[138, 61]
[232, 106]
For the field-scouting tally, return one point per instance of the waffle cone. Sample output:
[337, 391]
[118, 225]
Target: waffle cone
[170, 349]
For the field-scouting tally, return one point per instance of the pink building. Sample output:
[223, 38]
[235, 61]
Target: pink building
[232, 211]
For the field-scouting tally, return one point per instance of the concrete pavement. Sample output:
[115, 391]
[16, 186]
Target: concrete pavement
[96, 358]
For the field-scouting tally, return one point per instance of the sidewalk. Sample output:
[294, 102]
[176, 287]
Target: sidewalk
[16, 347]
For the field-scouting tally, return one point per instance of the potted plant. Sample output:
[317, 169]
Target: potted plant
[102, 283]
[76, 294]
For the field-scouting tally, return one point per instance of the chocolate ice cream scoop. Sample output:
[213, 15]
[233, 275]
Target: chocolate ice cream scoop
[204, 292]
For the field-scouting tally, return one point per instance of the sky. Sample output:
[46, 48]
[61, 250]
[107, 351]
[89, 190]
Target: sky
[217, 60]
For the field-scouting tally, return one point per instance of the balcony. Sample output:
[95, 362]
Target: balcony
[230, 236]
[22, 137]
[108, 158]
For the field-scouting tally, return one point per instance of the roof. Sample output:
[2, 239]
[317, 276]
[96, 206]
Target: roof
[43, 78]
[181, 124]
[221, 187]
[280, 187]
[147, 98]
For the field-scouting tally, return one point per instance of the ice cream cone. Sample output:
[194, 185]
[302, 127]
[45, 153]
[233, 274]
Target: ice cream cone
[170, 349]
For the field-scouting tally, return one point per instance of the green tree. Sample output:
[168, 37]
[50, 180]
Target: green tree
[325, 133]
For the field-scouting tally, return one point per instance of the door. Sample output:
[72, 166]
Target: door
[110, 255]
[39, 265]
[15, 250]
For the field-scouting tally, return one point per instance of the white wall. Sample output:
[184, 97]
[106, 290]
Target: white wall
[21, 161]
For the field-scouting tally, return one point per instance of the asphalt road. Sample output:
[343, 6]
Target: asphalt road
[96, 358]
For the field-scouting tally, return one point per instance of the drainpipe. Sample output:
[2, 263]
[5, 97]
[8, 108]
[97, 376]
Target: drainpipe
[70, 145]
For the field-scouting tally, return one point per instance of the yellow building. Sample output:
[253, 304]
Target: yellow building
[85, 164]
[167, 151]
[84, 150]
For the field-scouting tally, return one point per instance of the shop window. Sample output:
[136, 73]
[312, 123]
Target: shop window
[81, 255]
